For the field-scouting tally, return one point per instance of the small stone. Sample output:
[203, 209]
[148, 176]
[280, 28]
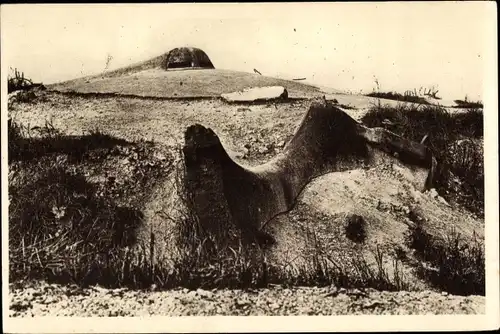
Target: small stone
[241, 302]
[433, 193]
[160, 156]
[262, 150]
[204, 293]
[274, 306]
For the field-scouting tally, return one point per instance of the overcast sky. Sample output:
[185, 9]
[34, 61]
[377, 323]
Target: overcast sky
[340, 45]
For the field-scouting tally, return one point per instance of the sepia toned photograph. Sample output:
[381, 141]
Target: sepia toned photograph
[193, 161]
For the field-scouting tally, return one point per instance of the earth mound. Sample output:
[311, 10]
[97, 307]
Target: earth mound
[184, 72]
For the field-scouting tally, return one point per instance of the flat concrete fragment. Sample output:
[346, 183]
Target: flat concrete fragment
[257, 94]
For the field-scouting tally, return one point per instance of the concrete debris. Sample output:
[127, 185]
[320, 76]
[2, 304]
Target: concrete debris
[257, 94]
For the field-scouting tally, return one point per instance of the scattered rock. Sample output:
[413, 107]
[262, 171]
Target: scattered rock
[263, 150]
[241, 302]
[204, 293]
[372, 304]
[433, 193]
[276, 300]
[274, 306]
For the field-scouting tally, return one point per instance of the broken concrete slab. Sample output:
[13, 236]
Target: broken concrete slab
[225, 195]
[256, 94]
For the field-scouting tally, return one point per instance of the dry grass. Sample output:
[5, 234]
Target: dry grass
[398, 97]
[64, 228]
[452, 264]
[466, 104]
[455, 140]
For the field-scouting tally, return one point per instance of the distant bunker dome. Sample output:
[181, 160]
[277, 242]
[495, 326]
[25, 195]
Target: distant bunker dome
[186, 58]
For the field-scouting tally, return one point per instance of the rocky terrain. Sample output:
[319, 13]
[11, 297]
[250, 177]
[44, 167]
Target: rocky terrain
[50, 299]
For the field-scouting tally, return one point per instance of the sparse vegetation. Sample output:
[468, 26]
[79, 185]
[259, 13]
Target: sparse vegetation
[413, 96]
[61, 225]
[22, 88]
[66, 229]
[465, 103]
[17, 81]
[451, 264]
[398, 97]
[454, 138]
[27, 143]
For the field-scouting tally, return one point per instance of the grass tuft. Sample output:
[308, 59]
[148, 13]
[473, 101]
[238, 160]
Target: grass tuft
[452, 264]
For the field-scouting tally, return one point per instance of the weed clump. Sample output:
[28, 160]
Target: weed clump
[67, 224]
[455, 139]
[60, 227]
[451, 264]
[21, 88]
[398, 97]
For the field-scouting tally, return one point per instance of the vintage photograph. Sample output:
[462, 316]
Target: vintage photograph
[279, 159]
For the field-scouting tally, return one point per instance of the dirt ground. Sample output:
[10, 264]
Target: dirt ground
[51, 299]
